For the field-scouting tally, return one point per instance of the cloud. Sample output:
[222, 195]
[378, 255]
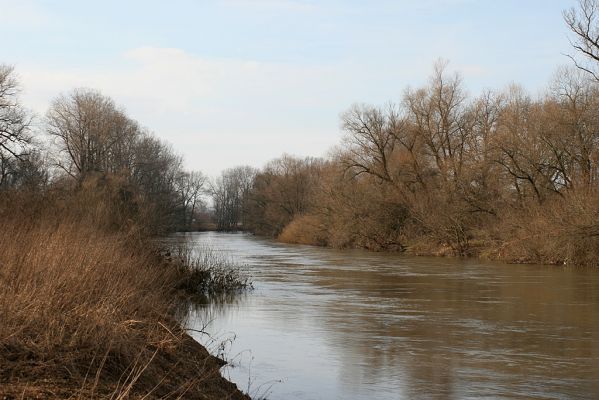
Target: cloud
[220, 110]
[473, 70]
[23, 15]
[293, 6]
[201, 103]
[170, 79]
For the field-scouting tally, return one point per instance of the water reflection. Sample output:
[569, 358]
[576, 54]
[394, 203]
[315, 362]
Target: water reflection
[359, 325]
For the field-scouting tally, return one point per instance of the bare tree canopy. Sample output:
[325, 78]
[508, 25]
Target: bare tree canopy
[370, 137]
[190, 186]
[92, 134]
[229, 196]
[15, 138]
[583, 21]
[14, 121]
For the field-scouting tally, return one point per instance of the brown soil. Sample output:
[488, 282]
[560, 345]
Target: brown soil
[189, 372]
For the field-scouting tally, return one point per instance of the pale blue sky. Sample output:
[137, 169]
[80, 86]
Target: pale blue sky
[232, 82]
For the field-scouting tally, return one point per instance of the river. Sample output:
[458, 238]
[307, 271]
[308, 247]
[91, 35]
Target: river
[330, 324]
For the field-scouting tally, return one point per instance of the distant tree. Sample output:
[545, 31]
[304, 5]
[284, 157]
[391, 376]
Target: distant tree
[25, 172]
[155, 172]
[190, 186]
[583, 21]
[229, 196]
[284, 189]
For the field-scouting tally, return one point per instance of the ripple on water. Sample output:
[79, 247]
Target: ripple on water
[335, 324]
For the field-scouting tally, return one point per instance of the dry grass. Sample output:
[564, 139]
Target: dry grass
[87, 314]
[205, 274]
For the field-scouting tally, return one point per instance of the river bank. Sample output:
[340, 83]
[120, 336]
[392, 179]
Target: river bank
[530, 240]
[188, 371]
[90, 314]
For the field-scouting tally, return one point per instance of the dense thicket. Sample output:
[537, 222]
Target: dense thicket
[502, 175]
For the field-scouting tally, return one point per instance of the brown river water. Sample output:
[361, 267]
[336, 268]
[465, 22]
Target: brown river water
[330, 324]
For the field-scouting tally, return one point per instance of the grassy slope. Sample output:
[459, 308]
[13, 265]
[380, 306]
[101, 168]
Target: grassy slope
[87, 314]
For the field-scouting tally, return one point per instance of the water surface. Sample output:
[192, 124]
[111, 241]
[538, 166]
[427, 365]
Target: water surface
[328, 324]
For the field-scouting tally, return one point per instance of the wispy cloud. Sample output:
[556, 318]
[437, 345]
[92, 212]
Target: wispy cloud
[171, 79]
[229, 80]
[266, 108]
[278, 5]
[24, 15]
[261, 108]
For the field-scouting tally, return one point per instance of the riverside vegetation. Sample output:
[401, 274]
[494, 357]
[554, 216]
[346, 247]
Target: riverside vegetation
[92, 314]
[90, 306]
[502, 175]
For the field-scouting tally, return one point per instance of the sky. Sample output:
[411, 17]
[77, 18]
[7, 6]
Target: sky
[240, 82]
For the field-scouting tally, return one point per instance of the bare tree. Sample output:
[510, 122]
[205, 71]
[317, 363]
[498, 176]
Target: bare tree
[576, 133]
[284, 189]
[370, 140]
[229, 195]
[583, 21]
[26, 172]
[190, 186]
[155, 171]
[92, 134]
[440, 116]
[15, 138]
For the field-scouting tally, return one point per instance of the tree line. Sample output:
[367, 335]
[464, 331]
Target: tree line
[502, 175]
[90, 147]
[443, 172]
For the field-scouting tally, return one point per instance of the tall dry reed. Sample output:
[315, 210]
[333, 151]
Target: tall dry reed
[87, 313]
